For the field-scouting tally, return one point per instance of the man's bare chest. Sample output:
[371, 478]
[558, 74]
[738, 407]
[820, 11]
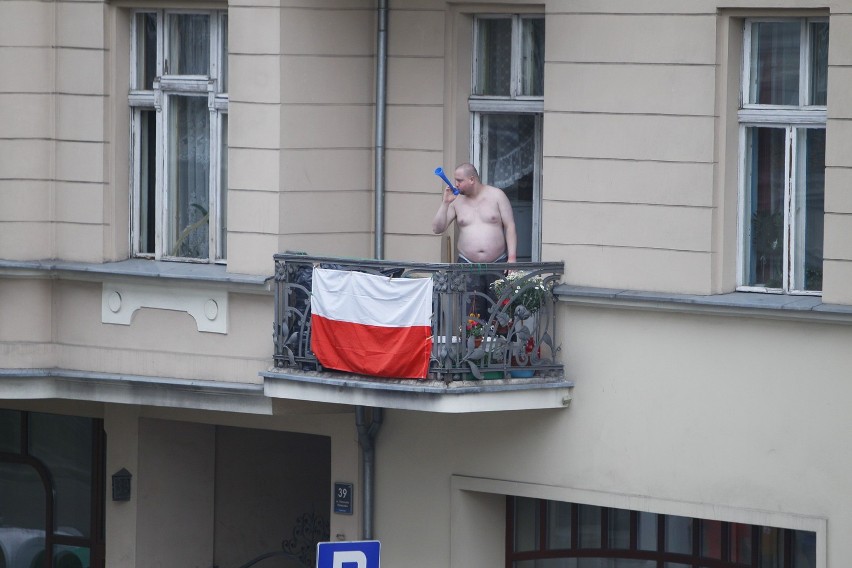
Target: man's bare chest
[478, 213]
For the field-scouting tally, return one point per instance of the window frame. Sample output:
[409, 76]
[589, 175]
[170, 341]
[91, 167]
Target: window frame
[513, 104]
[792, 119]
[688, 551]
[159, 99]
[54, 537]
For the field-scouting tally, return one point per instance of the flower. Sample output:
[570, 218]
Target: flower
[474, 325]
[519, 288]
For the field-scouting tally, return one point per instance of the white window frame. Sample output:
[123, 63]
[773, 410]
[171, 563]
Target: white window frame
[792, 119]
[515, 103]
[165, 87]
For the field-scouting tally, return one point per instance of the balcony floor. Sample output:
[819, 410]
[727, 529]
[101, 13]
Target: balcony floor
[424, 395]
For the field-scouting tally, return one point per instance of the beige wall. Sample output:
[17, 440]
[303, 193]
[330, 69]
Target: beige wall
[671, 412]
[175, 492]
[640, 172]
[659, 421]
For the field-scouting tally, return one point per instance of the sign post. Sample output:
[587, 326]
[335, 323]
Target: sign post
[351, 554]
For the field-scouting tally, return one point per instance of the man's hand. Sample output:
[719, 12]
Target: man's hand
[446, 212]
[449, 196]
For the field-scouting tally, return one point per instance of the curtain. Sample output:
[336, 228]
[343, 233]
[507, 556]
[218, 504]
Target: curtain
[189, 177]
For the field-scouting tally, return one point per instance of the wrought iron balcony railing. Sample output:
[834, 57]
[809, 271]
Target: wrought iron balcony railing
[489, 321]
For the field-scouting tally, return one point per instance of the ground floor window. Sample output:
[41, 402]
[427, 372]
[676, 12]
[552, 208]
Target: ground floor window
[553, 534]
[51, 491]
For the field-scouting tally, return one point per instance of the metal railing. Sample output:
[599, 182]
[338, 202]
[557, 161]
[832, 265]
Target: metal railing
[489, 321]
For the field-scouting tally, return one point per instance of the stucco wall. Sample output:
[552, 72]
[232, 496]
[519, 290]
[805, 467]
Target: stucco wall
[704, 416]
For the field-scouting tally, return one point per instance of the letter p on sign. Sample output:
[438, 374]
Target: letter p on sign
[349, 559]
[354, 554]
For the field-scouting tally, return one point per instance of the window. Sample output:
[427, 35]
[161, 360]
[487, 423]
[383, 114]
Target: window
[179, 135]
[51, 490]
[506, 105]
[782, 140]
[552, 534]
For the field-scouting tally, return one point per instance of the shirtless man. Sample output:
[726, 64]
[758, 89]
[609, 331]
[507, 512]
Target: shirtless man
[484, 216]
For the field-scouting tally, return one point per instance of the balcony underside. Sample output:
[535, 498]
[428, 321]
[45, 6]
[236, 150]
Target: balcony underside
[425, 395]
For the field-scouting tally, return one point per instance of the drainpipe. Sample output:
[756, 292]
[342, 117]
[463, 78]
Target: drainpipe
[367, 440]
[381, 103]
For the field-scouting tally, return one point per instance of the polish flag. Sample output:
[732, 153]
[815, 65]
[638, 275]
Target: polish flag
[371, 325]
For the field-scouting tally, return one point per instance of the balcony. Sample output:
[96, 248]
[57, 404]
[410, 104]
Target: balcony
[490, 350]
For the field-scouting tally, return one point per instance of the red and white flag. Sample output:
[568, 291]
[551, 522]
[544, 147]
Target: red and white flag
[371, 325]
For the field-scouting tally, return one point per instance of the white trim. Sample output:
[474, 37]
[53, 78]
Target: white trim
[208, 306]
[782, 116]
[793, 119]
[494, 105]
[164, 89]
[537, 189]
[185, 84]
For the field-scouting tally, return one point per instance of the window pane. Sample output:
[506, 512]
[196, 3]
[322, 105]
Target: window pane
[765, 175]
[771, 547]
[619, 528]
[547, 563]
[147, 209]
[526, 524]
[647, 531]
[810, 191]
[507, 161]
[10, 431]
[678, 534]
[146, 51]
[590, 526]
[493, 57]
[774, 67]
[189, 44]
[741, 543]
[64, 445]
[711, 539]
[558, 525]
[65, 556]
[189, 177]
[22, 501]
[819, 63]
[223, 189]
[532, 57]
[804, 549]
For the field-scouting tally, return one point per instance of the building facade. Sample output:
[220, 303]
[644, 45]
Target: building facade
[685, 160]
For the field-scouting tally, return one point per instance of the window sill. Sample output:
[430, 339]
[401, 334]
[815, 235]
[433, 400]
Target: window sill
[741, 304]
[145, 270]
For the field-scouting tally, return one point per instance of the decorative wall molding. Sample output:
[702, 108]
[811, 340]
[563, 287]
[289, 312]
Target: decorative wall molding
[208, 306]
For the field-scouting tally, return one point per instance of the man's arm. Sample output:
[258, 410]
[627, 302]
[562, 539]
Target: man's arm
[509, 231]
[446, 213]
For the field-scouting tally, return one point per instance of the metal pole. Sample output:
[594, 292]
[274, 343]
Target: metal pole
[367, 439]
[381, 103]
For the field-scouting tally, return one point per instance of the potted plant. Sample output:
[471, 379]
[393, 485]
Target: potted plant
[519, 288]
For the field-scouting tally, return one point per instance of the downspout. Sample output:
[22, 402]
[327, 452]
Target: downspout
[367, 440]
[381, 103]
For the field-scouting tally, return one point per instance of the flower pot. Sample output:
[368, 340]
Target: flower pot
[522, 373]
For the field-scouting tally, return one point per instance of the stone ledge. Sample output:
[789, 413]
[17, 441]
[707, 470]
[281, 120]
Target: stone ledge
[748, 304]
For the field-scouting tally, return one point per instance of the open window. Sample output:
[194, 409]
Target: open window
[506, 106]
[782, 150]
[179, 133]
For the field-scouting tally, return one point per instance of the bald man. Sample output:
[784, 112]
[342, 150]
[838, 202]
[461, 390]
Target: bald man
[486, 230]
[484, 217]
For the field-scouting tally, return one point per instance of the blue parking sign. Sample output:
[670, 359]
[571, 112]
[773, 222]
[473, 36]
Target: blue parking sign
[351, 554]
